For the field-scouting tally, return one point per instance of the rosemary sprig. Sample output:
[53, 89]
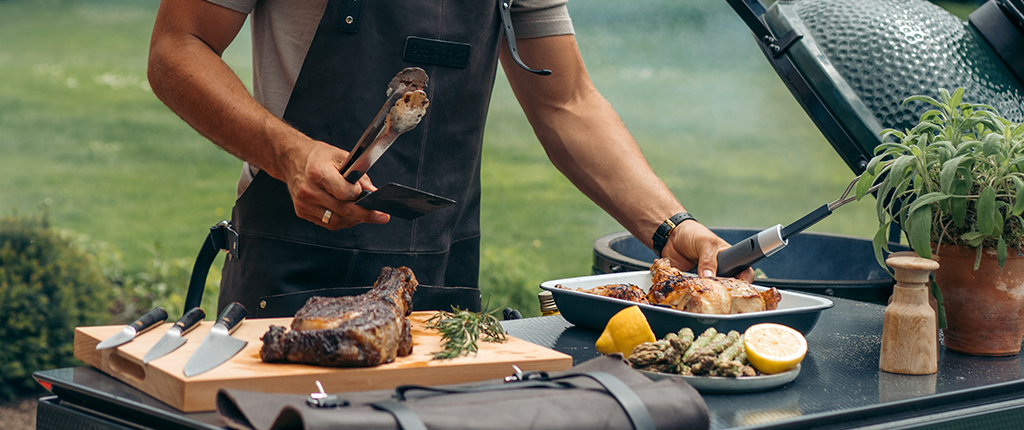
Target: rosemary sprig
[461, 329]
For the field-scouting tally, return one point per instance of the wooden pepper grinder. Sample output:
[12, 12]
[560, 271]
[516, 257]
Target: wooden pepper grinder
[909, 334]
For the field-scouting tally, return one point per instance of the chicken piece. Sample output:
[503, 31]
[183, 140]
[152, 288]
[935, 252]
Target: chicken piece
[671, 287]
[628, 292]
[692, 294]
[771, 297]
[744, 297]
[661, 270]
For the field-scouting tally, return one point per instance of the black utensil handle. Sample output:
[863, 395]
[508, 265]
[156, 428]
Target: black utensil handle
[353, 176]
[190, 320]
[739, 257]
[150, 319]
[231, 315]
[805, 222]
[745, 253]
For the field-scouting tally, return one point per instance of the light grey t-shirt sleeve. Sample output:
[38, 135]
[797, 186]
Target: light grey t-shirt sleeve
[243, 6]
[539, 18]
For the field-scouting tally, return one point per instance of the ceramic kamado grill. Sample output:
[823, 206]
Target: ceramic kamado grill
[850, 64]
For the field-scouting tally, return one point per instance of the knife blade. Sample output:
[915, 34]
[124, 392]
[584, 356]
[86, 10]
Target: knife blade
[373, 142]
[145, 322]
[174, 337]
[218, 346]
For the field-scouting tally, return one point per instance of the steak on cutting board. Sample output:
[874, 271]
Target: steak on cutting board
[351, 331]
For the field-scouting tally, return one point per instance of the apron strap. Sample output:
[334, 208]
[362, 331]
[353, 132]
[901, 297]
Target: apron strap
[221, 237]
[510, 37]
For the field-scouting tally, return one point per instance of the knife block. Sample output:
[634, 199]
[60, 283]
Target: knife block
[909, 331]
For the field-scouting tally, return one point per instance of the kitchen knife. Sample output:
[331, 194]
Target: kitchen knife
[173, 338]
[737, 258]
[218, 346]
[145, 322]
[383, 130]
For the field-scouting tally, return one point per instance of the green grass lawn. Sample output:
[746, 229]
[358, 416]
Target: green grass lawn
[82, 135]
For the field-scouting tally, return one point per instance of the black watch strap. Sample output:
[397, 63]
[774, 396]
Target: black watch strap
[661, 234]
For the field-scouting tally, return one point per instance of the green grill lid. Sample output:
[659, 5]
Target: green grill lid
[851, 63]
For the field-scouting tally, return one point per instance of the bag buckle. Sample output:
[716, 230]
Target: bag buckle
[527, 376]
[323, 400]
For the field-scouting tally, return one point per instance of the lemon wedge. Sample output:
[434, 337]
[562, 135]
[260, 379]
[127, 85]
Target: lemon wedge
[774, 348]
[624, 331]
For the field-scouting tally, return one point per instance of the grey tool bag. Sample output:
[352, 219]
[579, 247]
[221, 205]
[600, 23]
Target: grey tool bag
[603, 393]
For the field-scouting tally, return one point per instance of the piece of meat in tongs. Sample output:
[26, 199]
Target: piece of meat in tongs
[405, 106]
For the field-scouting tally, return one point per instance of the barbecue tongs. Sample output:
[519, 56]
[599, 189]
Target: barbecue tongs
[405, 106]
[755, 248]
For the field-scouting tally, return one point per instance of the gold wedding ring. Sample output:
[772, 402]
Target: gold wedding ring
[327, 216]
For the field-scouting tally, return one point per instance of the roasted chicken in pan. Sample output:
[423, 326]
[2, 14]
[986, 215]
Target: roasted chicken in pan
[672, 288]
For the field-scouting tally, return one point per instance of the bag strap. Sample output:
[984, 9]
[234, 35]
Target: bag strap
[406, 418]
[635, 409]
[221, 237]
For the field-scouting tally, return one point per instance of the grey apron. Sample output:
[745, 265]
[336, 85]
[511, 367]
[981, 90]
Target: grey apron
[283, 260]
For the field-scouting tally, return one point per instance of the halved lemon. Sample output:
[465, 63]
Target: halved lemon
[774, 348]
[624, 331]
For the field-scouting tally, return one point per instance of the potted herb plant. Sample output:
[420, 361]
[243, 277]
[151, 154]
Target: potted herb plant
[954, 183]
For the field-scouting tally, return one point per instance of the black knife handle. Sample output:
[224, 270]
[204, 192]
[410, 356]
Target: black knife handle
[231, 316]
[149, 320]
[190, 320]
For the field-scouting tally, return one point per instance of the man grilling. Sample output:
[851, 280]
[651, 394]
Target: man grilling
[320, 67]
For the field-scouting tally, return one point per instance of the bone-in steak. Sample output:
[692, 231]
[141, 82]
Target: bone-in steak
[352, 331]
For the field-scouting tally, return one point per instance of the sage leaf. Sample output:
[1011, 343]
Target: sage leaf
[948, 173]
[920, 230]
[1018, 196]
[1001, 251]
[986, 208]
[880, 242]
[928, 199]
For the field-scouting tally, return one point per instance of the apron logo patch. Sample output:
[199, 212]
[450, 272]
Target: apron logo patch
[439, 52]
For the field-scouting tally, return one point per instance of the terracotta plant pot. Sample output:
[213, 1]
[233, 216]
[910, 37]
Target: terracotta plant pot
[984, 307]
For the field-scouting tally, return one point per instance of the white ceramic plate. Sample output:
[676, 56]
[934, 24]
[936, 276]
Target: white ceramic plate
[722, 384]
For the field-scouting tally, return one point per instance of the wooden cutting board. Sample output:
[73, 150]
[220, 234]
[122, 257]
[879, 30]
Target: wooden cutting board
[165, 380]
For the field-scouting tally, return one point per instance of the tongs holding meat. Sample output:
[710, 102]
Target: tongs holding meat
[405, 106]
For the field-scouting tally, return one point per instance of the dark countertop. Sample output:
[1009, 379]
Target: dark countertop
[839, 385]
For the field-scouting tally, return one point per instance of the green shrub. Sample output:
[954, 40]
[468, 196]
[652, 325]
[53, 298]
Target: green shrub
[163, 282]
[48, 286]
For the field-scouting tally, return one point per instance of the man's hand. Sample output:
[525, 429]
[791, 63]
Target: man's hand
[316, 186]
[691, 245]
[187, 73]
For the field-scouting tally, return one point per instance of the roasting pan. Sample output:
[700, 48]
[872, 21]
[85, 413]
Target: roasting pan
[820, 263]
[797, 310]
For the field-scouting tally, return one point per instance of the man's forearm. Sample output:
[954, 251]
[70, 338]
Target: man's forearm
[586, 140]
[187, 73]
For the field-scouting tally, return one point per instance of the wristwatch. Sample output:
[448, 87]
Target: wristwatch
[661, 234]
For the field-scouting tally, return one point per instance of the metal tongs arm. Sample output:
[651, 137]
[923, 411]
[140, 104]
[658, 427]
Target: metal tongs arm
[823, 211]
[405, 105]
